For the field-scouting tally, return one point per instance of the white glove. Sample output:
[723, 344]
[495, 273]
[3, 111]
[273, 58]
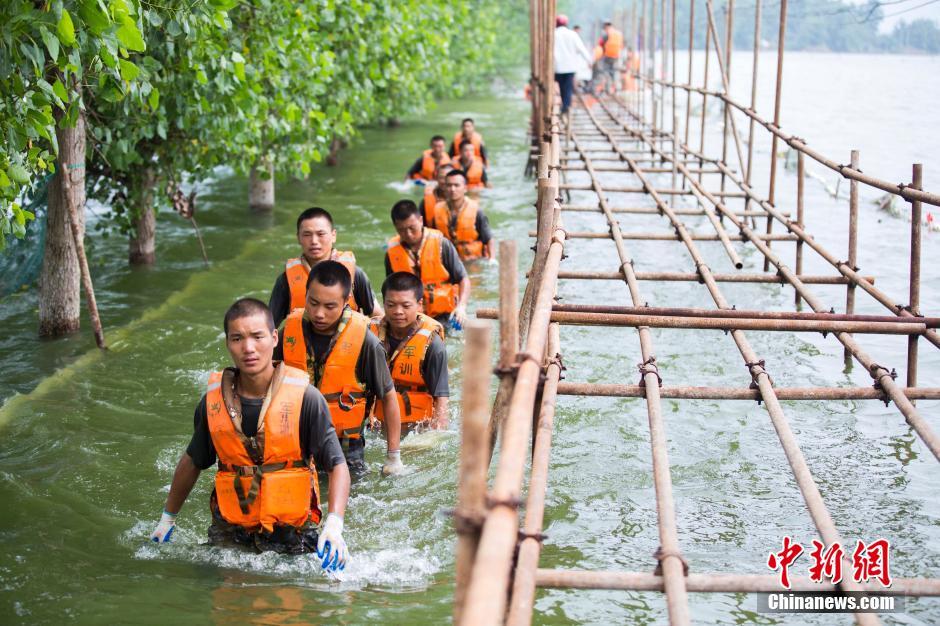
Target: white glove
[393, 464]
[330, 546]
[164, 529]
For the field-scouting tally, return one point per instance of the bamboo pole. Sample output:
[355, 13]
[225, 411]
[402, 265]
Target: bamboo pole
[523, 590]
[671, 561]
[778, 91]
[724, 583]
[652, 236]
[805, 279]
[486, 595]
[800, 181]
[474, 459]
[720, 323]
[79, 242]
[726, 71]
[914, 283]
[853, 250]
[750, 131]
[725, 393]
[508, 302]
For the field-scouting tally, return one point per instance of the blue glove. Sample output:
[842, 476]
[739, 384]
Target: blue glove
[331, 547]
[164, 529]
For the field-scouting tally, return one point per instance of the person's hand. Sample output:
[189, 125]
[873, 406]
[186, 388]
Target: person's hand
[164, 529]
[393, 464]
[330, 546]
[460, 314]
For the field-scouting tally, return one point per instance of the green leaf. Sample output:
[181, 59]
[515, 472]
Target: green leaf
[19, 174]
[95, 16]
[130, 37]
[154, 99]
[129, 71]
[66, 29]
[4, 180]
[51, 41]
[59, 90]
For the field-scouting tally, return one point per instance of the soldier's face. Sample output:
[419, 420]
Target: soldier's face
[316, 237]
[410, 230]
[455, 188]
[251, 342]
[401, 309]
[437, 148]
[324, 306]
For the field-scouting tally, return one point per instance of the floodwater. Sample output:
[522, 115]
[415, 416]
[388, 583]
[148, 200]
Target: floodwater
[90, 440]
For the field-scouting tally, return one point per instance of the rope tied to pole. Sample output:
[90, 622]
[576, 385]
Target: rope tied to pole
[879, 373]
[539, 537]
[661, 555]
[649, 367]
[513, 368]
[756, 368]
[512, 502]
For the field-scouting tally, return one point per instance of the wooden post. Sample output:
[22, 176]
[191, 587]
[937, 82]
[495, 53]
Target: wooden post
[916, 220]
[800, 180]
[781, 37]
[508, 302]
[853, 249]
[474, 455]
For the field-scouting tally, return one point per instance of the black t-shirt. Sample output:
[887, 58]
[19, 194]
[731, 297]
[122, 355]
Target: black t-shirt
[434, 366]
[371, 367]
[317, 435]
[280, 296]
[449, 259]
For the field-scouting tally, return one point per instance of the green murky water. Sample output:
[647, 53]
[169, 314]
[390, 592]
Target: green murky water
[90, 440]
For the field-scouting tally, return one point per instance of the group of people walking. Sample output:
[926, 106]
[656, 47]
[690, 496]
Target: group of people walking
[598, 69]
[322, 361]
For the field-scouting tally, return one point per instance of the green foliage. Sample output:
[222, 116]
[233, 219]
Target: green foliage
[47, 49]
[174, 88]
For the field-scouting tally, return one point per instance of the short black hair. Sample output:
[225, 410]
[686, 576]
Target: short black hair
[457, 172]
[465, 142]
[403, 281]
[445, 167]
[467, 119]
[313, 212]
[403, 209]
[246, 307]
[329, 273]
[438, 138]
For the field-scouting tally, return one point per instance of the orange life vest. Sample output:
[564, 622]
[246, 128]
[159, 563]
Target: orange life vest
[474, 175]
[279, 487]
[476, 139]
[598, 53]
[415, 404]
[614, 44]
[297, 273]
[440, 295]
[430, 201]
[429, 166]
[344, 394]
[465, 238]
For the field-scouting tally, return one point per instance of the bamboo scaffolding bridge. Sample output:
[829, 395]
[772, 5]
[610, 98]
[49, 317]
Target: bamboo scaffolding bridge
[631, 136]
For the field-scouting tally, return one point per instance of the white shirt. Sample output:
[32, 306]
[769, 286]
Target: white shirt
[570, 53]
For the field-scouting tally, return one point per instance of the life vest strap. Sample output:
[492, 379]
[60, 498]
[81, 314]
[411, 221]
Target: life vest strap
[340, 396]
[255, 472]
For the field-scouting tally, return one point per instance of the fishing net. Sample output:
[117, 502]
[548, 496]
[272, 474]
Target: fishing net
[21, 260]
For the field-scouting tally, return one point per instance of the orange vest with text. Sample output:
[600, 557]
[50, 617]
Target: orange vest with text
[297, 274]
[440, 295]
[430, 201]
[415, 404]
[465, 236]
[279, 488]
[614, 44]
[429, 166]
[476, 139]
[344, 394]
[474, 175]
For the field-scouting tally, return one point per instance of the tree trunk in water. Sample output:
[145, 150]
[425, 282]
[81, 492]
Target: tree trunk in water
[261, 186]
[143, 240]
[332, 159]
[59, 294]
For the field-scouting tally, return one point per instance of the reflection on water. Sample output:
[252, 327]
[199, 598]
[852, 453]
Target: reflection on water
[87, 455]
